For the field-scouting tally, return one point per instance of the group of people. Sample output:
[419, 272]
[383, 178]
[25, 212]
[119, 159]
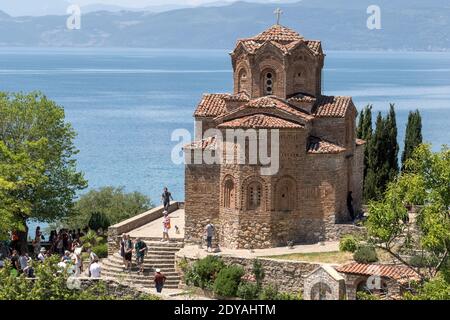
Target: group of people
[140, 248]
[65, 243]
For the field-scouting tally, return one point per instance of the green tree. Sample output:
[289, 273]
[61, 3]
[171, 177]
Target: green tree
[112, 204]
[426, 185]
[38, 176]
[391, 143]
[364, 132]
[413, 135]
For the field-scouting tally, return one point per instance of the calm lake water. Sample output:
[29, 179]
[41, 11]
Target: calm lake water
[125, 103]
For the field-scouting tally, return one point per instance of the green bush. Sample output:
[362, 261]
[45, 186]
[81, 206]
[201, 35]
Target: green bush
[258, 272]
[98, 221]
[228, 280]
[269, 292]
[365, 254]
[361, 295]
[289, 296]
[204, 272]
[51, 283]
[348, 243]
[248, 291]
[101, 250]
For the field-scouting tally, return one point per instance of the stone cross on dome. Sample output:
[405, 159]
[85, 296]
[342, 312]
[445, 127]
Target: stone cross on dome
[278, 12]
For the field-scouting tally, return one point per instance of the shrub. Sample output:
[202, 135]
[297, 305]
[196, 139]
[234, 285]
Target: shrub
[348, 243]
[248, 291]
[365, 254]
[289, 296]
[101, 250]
[203, 272]
[269, 292]
[361, 295]
[98, 221]
[258, 272]
[228, 280]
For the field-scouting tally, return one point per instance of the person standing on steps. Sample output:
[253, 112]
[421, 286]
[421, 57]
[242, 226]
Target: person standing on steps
[128, 252]
[160, 279]
[141, 250]
[166, 227]
[165, 198]
[209, 231]
[123, 241]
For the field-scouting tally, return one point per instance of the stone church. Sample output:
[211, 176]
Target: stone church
[277, 78]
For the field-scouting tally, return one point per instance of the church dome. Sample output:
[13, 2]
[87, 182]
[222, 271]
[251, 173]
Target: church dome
[278, 33]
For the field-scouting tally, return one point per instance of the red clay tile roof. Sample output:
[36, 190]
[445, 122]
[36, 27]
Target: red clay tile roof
[331, 107]
[278, 33]
[360, 142]
[209, 143]
[211, 105]
[259, 121]
[318, 146]
[281, 37]
[276, 103]
[388, 271]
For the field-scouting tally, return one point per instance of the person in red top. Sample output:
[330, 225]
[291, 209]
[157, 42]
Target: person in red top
[160, 279]
[166, 227]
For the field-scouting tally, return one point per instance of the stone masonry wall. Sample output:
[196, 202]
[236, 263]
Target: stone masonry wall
[288, 276]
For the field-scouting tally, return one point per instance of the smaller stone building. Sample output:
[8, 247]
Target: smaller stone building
[388, 282]
[324, 283]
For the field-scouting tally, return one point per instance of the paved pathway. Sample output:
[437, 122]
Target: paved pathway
[154, 229]
[192, 250]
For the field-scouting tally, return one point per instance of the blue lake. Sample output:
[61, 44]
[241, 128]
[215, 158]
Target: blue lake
[125, 103]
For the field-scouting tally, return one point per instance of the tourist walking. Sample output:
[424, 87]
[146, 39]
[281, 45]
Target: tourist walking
[166, 227]
[165, 198]
[95, 269]
[141, 250]
[160, 279]
[92, 258]
[123, 241]
[209, 233]
[128, 252]
[41, 256]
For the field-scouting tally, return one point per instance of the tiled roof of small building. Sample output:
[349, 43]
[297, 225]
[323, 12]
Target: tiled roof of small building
[209, 143]
[258, 121]
[389, 271]
[331, 107]
[276, 103]
[318, 146]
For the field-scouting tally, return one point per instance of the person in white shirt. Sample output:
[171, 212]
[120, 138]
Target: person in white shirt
[41, 255]
[95, 269]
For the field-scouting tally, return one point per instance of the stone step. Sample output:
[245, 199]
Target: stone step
[137, 277]
[111, 267]
[164, 249]
[147, 264]
[155, 242]
[119, 259]
[141, 280]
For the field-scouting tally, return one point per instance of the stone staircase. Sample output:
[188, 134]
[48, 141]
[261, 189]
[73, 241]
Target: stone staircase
[160, 255]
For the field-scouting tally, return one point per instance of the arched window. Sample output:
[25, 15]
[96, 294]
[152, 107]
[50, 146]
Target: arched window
[242, 80]
[268, 82]
[254, 195]
[228, 194]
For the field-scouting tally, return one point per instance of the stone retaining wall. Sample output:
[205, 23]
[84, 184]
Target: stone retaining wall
[113, 288]
[115, 231]
[287, 275]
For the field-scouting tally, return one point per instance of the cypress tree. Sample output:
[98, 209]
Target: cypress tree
[359, 130]
[413, 135]
[392, 147]
[365, 132]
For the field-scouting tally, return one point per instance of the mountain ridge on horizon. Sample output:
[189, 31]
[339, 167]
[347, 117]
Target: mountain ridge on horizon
[420, 26]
